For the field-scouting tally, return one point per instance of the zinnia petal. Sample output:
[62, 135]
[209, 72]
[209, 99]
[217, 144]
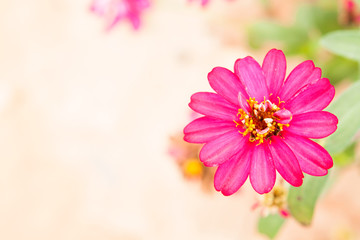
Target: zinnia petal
[303, 74]
[252, 77]
[285, 162]
[314, 97]
[206, 129]
[283, 116]
[312, 157]
[243, 103]
[317, 124]
[262, 172]
[213, 105]
[274, 67]
[231, 175]
[222, 148]
[226, 84]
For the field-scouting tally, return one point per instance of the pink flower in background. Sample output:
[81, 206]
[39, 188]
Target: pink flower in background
[186, 156]
[115, 11]
[349, 5]
[351, 13]
[258, 123]
[203, 2]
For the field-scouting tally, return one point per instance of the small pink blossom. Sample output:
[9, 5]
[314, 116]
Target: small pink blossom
[115, 11]
[258, 123]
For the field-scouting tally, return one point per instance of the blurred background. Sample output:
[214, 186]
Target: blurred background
[87, 118]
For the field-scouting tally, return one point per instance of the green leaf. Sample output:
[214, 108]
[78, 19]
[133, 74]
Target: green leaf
[338, 68]
[347, 109]
[346, 157]
[317, 20]
[302, 200]
[344, 42]
[270, 225]
[268, 31]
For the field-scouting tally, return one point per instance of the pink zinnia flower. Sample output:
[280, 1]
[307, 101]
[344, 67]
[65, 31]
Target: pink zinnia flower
[117, 10]
[257, 123]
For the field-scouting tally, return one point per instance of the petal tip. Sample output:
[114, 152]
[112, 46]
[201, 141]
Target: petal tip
[298, 183]
[185, 138]
[263, 191]
[211, 73]
[275, 50]
[226, 193]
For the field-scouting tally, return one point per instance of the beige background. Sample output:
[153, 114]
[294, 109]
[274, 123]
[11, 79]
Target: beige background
[85, 118]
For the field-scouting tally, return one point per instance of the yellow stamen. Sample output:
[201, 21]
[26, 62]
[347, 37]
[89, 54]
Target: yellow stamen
[280, 101]
[259, 122]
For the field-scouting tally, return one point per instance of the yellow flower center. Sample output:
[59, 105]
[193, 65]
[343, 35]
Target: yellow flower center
[260, 122]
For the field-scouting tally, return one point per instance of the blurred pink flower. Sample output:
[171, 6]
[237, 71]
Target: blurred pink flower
[257, 123]
[115, 11]
[203, 2]
[349, 5]
[350, 14]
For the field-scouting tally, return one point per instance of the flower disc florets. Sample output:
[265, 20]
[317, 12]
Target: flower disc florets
[261, 122]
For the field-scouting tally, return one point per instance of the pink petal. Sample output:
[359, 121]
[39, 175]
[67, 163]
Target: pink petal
[303, 74]
[204, 2]
[283, 116]
[314, 97]
[312, 169]
[206, 129]
[274, 67]
[213, 105]
[226, 84]
[285, 162]
[231, 175]
[318, 124]
[243, 104]
[312, 157]
[252, 77]
[262, 172]
[222, 148]
[135, 21]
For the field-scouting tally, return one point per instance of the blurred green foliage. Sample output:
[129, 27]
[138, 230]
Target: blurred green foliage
[302, 38]
[346, 157]
[343, 42]
[347, 109]
[270, 225]
[302, 200]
